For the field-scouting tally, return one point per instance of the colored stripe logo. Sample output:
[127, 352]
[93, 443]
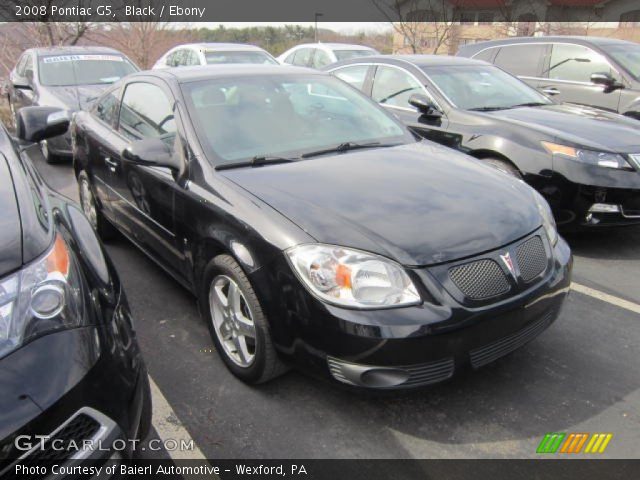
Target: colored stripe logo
[574, 443]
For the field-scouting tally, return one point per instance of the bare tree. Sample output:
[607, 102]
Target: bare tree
[143, 42]
[420, 23]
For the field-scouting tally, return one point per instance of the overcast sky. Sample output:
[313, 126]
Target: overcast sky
[344, 27]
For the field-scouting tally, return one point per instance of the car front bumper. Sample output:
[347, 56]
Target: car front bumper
[93, 373]
[592, 196]
[409, 346]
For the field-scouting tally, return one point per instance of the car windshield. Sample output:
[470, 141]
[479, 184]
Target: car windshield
[626, 55]
[214, 58]
[479, 87]
[85, 69]
[241, 118]
[347, 54]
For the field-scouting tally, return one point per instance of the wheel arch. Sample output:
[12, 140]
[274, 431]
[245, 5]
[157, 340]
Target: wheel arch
[483, 154]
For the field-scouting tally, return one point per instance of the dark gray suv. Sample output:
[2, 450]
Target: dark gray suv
[600, 72]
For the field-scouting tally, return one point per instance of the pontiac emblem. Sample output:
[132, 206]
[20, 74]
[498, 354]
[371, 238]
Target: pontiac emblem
[506, 259]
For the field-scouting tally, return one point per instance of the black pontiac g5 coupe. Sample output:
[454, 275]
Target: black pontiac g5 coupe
[315, 229]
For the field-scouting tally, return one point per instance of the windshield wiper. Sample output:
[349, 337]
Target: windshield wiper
[256, 161]
[529, 104]
[346, 146]
[487, 109]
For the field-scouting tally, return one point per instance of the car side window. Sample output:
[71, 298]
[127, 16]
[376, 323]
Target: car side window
[576, 63]
[354, 75]
[28, 66]
[290, 57]
[146, 112]
[393, 87]
[107, 107]
[320, 59]
[21, 63]
[192, 58]
[525, 60]
[302, 57]
[171, 59]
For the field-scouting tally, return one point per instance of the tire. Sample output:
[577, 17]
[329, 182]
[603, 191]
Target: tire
[102, 226]
[146, 414]
[504, 166]
[49, 157]
[252, 360]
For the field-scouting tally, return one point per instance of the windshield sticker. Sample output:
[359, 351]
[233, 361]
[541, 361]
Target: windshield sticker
[77, 58]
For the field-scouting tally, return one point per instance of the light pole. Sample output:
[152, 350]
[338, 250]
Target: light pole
[317, 15]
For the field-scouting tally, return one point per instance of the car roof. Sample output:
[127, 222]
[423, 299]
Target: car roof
[417, 60]
[62, 50]
[556, 38]
[335, 46]
[203, 72]
[221, 46]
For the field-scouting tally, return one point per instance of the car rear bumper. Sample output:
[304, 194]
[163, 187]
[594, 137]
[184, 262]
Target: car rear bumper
[413, 346]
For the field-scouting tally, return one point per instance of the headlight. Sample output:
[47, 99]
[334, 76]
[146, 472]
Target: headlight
[44, 296]
[600, 159]
[352, 278]
[548, 222]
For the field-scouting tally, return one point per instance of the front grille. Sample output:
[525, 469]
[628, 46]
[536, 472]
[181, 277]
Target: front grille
[532, 258]
[81, 427]
[491, 352]
[479, 280]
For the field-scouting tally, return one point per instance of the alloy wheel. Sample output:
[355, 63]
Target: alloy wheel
[232, 321]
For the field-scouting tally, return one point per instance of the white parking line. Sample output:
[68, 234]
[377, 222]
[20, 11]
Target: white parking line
[169, 427]
[605, 297]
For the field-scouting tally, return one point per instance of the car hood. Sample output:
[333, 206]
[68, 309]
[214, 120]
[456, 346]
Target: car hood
[10, 227]
[75, 97]
[581, 126]
[419, 204]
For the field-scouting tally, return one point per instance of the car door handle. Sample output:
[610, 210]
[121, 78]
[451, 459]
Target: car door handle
[111, 163]
[550, 91]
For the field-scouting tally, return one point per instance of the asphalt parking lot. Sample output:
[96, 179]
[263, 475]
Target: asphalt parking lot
[581, 375]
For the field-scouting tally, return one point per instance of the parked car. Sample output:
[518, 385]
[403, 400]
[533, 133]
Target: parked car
[600, 72]
[315, 229]
[70, 366]
[212, 54]
[64, 77]
[584, 161]
[318, 55]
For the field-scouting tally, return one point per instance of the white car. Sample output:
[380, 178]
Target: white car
[318, 55]
[212, 54]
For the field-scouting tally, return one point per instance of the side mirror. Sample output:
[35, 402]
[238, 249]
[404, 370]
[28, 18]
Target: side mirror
[151, 152]
[607, 80]
[35, 124]
[424, 106]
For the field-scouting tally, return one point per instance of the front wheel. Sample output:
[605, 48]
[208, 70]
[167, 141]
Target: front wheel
[101, 225]
[504, 166]
[237, 325]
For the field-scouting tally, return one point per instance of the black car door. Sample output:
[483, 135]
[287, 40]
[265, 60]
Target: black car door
[102, 147]
[143, 201]
[393, 86]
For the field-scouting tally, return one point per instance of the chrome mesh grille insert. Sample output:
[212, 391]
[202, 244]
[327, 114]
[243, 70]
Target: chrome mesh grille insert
[532, 258]
[479, 280]
[68, 439]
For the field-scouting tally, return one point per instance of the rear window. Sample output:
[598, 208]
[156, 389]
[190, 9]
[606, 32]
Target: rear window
[214, 58]
[347, 54]
[86, 69]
